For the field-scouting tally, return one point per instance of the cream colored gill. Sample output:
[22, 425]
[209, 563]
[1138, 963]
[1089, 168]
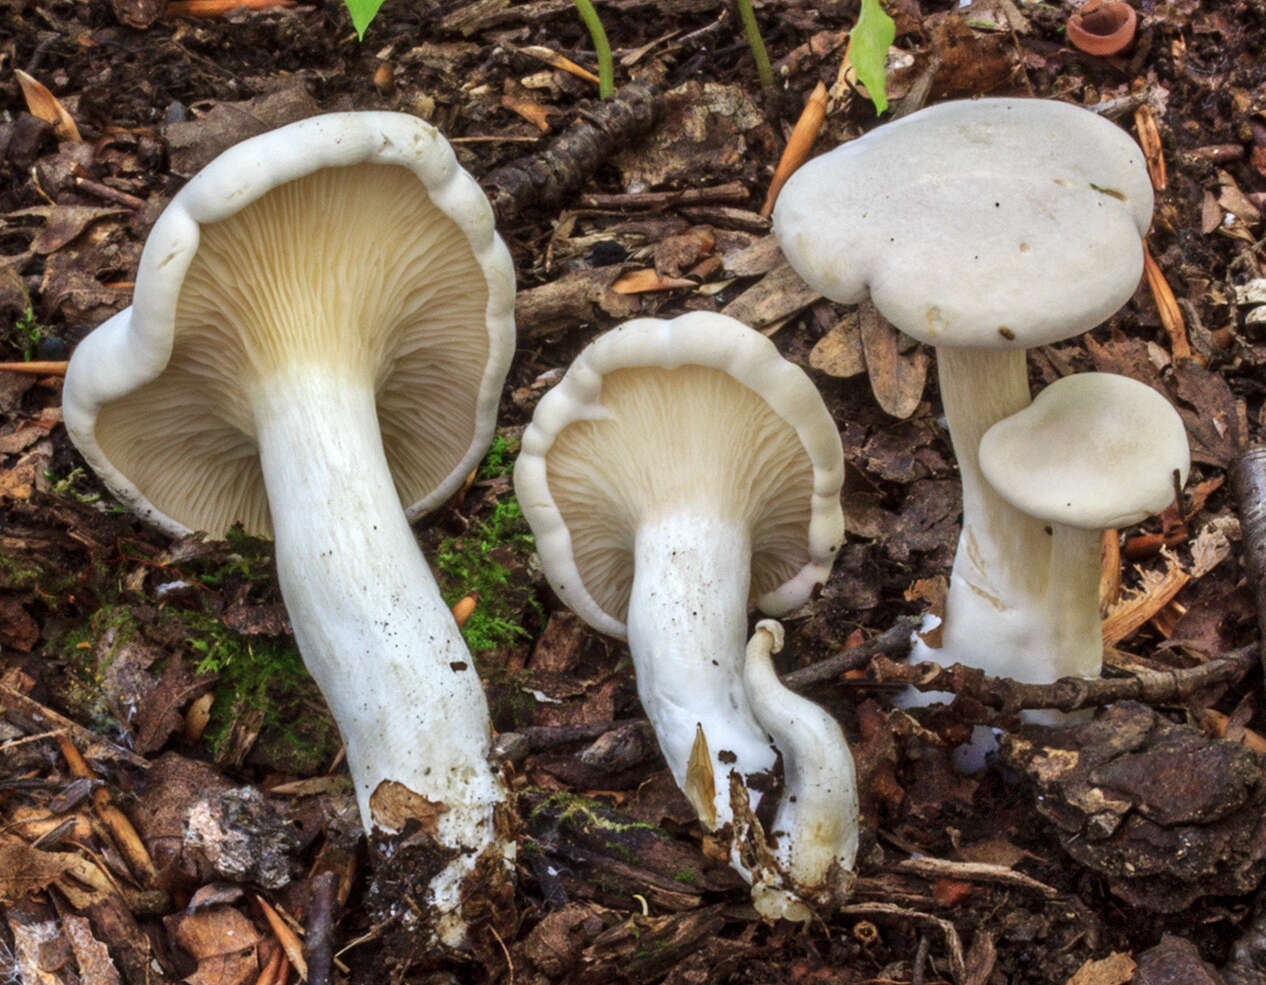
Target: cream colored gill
[350, 271]
[677, 441]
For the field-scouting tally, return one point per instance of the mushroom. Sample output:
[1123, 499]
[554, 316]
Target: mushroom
[320, 329]
[982, 228]
[681, 471]
[1094, 451]
[815, 830]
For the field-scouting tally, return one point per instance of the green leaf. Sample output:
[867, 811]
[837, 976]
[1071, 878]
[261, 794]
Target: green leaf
[868, 48]
[363, 12]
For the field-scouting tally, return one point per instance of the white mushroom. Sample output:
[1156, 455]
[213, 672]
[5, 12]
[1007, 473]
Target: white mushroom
[320, 329]
[1094, 451]
[815, 830]
[680, 472]
[981, 227]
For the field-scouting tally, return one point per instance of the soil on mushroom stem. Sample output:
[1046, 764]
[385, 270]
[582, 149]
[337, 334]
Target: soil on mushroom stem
[119, 628]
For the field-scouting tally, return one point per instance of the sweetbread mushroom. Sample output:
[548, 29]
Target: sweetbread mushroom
[681, 472]
[1094, 451]
[815, 830]
[321, 325]
[983, 228]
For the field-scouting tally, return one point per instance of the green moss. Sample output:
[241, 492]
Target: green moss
[490, 560]
[687, 876]
[500, 457]
[65, 486]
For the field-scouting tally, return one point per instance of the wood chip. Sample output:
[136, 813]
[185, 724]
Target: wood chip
[1150, 141]
[289, 940]
[1167, 306]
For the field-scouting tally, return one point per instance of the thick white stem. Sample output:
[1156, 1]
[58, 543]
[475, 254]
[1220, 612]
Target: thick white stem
[687, 628]
[368, 616]
[998, 587]
[816, 828]
[1076, 648]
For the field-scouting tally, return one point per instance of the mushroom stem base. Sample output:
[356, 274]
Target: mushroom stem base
[371, 624]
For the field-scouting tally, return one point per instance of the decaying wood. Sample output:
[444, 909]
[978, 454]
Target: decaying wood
[568, 162]
[1068, 693]
[731, 191]
[894, 641]
[320, 928]
[1248, 485]
[98, 748]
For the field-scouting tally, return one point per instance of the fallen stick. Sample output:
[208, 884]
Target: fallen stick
[35, 368]
[1068, 693]
[892, 642]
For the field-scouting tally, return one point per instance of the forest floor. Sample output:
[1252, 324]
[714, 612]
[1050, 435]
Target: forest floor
[171, 787]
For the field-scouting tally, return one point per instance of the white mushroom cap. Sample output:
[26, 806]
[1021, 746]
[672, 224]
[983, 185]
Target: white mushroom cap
[993, 223]
[1093, 451]
[386, 266]
[659, 415]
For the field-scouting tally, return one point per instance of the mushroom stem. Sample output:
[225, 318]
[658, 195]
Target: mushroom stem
[687, 629]
[1001, 566]
[369, 620]
[1076, 640]
[816, 827]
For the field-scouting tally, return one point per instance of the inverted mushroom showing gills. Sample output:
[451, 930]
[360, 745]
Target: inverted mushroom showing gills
[1094, 451]
[321, 325]
[982, 228]
[681, 472]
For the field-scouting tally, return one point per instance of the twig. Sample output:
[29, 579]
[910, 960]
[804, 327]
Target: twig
[799, 144]
[36, 368]
[941, 868]
[953, 943]
[48, 718]
[1167, 307]
[920, 960]
[732, 191]
[109, 194]
[1068, 693]
[572, 157]
[892, 642]
[321, 928]
[1248, 485]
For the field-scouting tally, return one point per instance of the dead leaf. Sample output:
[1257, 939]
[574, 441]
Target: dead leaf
[17, 629]
[700, 786]
[896, 380]
[1116, 969]
[25, 870]
[160, 716]
[392, 804]
[47, 107]
[839, 352]
[95, 966]
[64, 223]
[222, 941]
[776, 296]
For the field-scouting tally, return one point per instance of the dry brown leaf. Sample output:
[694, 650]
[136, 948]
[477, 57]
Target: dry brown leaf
[839, 352]
[700, 786]
[1167, 306]
[896, 380]
[25, 870]
[47, 107]
[95, 966]
[392, 804]
[1116, 969]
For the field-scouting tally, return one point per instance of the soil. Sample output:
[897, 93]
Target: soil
[150, 685]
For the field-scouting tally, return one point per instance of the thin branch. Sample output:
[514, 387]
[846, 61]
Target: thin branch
[1068, 693]
[892, 642]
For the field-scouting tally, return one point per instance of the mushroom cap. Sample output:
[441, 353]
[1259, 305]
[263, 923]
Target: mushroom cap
[699, 413]
[991, 223]
[350, 243]
[1093, 450]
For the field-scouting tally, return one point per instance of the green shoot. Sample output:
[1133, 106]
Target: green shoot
[26, 334]
[363, 13]
[747, 14]
[606, 71]
[868, 50]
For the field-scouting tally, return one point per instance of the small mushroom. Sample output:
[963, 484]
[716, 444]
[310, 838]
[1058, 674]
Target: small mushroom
[980, 227]
[815, 830]
[681, 472]
[1102, 27]
[1094, 451]
[321, 325]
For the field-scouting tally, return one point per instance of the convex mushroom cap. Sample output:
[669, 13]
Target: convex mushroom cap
[1093, 451]
[681, 471]
[989, 223]
[320, 329]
